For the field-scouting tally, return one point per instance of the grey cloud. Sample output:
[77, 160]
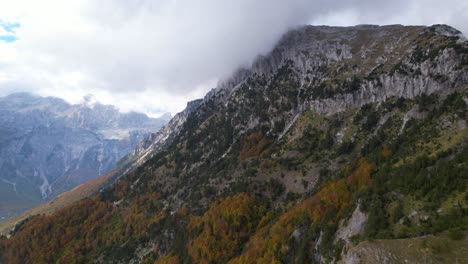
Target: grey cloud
[178, 44]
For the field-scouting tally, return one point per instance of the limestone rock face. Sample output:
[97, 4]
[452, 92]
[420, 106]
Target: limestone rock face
[387, 61]
[333, 69]
[156, 141]
[354, 226]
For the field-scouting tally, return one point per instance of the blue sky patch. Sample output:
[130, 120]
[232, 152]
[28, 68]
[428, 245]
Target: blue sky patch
[8, 38]
[9, 27]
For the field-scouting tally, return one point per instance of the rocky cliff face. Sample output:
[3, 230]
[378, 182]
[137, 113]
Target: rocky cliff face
[371, 62]
[156, 141]
[48, 146]
[329, 70]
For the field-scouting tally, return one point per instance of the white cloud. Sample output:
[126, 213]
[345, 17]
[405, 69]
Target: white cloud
[4, 32]
[153, 56]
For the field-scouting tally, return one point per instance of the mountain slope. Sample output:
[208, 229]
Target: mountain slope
[337, 137]
[64, 199]
[48, 146]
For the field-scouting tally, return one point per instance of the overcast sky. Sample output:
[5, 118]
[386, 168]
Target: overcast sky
[154, 56]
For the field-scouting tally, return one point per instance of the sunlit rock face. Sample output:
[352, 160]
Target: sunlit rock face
[48, 146]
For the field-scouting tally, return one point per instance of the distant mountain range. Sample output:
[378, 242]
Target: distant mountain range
[48, 146]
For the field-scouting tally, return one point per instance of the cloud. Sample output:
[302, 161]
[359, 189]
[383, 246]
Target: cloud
[153, 56]
[410, 12]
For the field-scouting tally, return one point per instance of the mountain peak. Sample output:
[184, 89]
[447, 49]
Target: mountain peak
[447, 30]
[90, 100]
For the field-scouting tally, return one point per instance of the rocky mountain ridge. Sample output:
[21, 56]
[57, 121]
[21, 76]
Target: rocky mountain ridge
[391, 64]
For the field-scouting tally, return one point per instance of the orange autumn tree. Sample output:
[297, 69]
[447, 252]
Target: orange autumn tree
[253, 145]
[224, 228]
[169, 259]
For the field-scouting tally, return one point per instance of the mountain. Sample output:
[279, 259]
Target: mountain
[48, 146]
[342, 145]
